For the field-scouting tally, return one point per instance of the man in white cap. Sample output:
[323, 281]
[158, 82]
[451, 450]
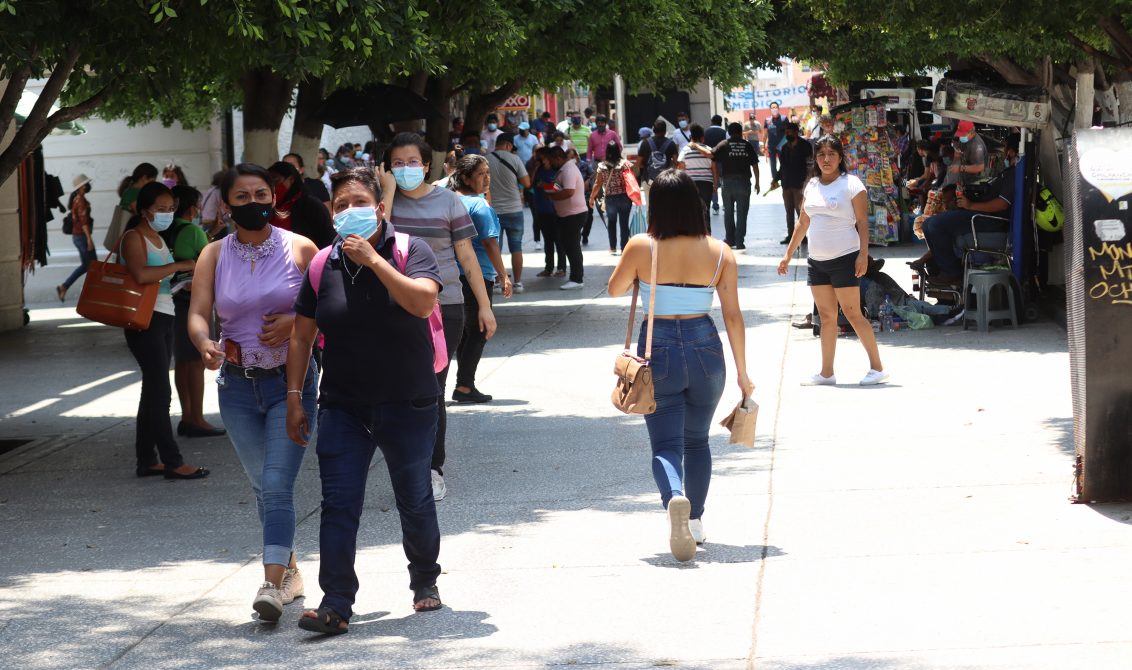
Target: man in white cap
[81, 225]
[526, 142]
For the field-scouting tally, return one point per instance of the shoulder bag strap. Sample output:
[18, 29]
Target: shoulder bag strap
[632, 314]
[652, 299]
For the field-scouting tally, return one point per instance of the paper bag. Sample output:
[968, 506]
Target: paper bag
[741, 423]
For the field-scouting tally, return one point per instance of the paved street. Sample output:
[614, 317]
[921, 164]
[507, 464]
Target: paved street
[921, 524]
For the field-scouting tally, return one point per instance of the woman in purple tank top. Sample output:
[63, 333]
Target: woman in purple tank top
[252, 279]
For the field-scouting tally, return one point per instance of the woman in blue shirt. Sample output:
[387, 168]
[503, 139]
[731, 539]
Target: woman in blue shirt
[471, 179]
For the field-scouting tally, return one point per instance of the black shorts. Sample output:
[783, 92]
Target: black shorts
[839, 272]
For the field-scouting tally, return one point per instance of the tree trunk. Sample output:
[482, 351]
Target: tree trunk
[482, 104]
[266, 99]
[307, 135]
[417, 83]
[439, 93]
[1083, 112]
[1123, 89]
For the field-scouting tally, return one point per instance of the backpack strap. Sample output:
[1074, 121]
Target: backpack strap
[401, 244]
[314, 272]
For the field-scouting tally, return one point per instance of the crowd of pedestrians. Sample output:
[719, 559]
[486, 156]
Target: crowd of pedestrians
[333, 306]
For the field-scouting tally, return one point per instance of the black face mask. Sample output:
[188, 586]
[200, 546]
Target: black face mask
[252, 216]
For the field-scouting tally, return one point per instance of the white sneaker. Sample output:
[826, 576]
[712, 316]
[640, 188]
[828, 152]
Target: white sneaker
[696, 527]
[571, 285]
[268, 603]
[818, 380]
[498, 288]
[680, 539]
[538, 246]
[439, 488]
[292, 586]
[874, 377]
[517, 287]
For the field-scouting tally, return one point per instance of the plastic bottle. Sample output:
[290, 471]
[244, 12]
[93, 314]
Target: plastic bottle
[886, 312]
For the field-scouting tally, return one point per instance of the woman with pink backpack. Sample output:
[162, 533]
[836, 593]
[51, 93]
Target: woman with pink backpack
[373, 296]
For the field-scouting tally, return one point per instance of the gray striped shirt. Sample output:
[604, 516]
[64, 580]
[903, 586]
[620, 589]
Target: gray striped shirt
[440, 219]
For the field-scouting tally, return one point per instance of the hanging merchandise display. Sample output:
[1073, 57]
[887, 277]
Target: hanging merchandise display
[871, 155]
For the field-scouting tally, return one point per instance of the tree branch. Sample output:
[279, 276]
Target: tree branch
[1097, 53]
[1113, 26]
[53, 88]
[1011, 71]
[11, 98]
[31, 134]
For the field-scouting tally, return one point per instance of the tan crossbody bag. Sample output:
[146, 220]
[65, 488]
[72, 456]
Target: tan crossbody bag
[634, 391]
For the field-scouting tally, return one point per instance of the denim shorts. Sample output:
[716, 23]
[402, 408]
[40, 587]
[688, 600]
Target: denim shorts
[840, 272]
[513, 225]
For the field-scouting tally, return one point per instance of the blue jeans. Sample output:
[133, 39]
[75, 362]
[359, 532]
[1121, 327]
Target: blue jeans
[347, 439]
[947, 233]
[688, 377]
[617, 210]
[85, 257]
[255, 414]
[512, 225]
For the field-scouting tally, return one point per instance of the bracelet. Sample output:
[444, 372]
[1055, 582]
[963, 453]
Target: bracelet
[294, 391]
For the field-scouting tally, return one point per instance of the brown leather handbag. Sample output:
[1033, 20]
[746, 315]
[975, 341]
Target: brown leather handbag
[112, 296]
[634, 391]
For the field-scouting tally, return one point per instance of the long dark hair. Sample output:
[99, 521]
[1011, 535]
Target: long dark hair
[465, 168]
[146, 197]
[830, 142]
[142, 170]
[613, 153]
[675, 207]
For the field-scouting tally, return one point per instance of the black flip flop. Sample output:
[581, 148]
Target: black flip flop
[425, 593]
[326, 622]
[199, 473]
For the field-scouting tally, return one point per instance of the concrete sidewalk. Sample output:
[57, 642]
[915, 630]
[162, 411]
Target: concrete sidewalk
[922, 524]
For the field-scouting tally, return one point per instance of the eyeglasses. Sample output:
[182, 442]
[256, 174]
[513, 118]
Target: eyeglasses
[413, 164]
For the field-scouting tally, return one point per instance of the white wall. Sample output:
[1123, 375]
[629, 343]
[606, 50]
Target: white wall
[106, 153]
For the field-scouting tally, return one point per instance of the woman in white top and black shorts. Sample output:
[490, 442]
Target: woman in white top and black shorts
[835, 217]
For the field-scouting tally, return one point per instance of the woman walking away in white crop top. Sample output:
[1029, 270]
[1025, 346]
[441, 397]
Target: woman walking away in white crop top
[834, 215]
[687, 362]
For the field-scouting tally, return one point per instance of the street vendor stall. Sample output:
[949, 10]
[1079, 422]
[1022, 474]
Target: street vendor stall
[871, 155]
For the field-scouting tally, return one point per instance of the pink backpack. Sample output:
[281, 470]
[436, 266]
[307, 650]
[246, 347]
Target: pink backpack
[401, 254]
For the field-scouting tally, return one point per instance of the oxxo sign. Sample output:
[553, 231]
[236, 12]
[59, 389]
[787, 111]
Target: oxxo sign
[516, 103]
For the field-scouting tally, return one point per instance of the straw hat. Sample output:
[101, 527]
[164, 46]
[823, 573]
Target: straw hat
[80, 181]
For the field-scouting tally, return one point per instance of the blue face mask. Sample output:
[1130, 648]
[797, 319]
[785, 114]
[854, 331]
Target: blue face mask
[408, 178]
[360, 221]
[161, 221]
[683, 124]
[357, 154]
[197, 220]
[946, 161]
[964, 139]
[471, 150]
[492, 126]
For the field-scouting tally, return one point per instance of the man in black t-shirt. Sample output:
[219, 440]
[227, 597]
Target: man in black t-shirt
[736, 160]
[794, 157]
